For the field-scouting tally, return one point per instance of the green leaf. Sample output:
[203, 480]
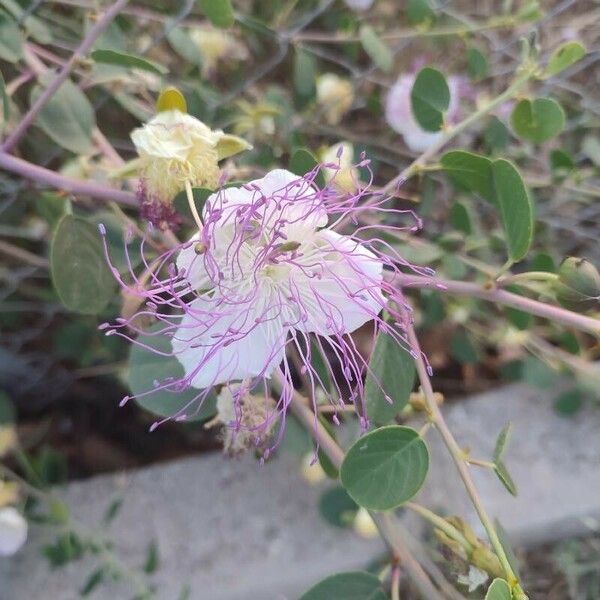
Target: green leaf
[218, 12]
[537, 121]
[569, 403]
[377, 50]
[337, 508]
[352, 585]
[302, 162]
[561, 162]
[385, 468]
[477, 64]
[305, 74]
[52, 207]
[392, 368]
[11, 39]
[470, 171]
[92, 582]
[508, 550]
[460, 218]
[504, 477]
[152, 558]
[563, 57]
[496, 135]
[146, 367]
[418, 11]
[68, 118]
[79, 269]
[516, 209]
[129, 61]
[317, 362]
[5, 100]
[200, 195]
[499, 590]
[463, 349]
[430, 98]
[502, 441]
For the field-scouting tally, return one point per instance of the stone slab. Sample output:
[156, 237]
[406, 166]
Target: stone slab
[233, 530]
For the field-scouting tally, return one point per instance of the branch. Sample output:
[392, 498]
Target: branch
[498, 296]
[457, 453]
[80, 52]
[60, 182]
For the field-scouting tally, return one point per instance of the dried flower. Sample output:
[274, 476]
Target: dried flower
[175, 148]
[13, 530]
[399, 115]
[267, 276]
[335, 95]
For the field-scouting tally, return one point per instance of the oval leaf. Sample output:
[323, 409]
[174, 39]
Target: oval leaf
[516, 209]
[305, 74]
[564, 56]
[11, 39]
[218, 12]
[470, 171]
[385, 468]
[498, 590]
[79, 269]
[302, 162]
[147, 367]
[353, 585]
[377, 50]
[430, 98]
[67, 118]
[129, 61]
[392, 368]
[537, 121]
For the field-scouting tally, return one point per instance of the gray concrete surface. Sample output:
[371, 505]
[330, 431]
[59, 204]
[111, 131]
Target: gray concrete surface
[233, 530]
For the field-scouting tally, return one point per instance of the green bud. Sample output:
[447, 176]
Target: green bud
[289, 246]
[578, 285]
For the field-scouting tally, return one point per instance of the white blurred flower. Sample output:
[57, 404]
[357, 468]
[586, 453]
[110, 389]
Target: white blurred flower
[364, 524]
[13, 530]
[215, 45]
[399, 115]
[335, 95]
[359, 4]
[346, 176]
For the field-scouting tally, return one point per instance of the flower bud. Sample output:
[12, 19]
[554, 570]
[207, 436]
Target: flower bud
[578, 285]
[335, 95]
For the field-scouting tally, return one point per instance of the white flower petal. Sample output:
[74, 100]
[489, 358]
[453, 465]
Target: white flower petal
[13, 530]
[199, 345]
[347, 294]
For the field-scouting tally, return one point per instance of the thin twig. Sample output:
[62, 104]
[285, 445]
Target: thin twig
[80, 52]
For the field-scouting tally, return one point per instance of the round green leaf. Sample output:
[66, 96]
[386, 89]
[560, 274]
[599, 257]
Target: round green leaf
[430, 98]
[68, 117]
[537, 121]
[564, 56]
[218, 12]
[147, 367]
[129, 61]
[516, 208]
[80, 273]
[392, 368]
[353, 585]
[305, 73]
[498, 590]
[385, 468]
